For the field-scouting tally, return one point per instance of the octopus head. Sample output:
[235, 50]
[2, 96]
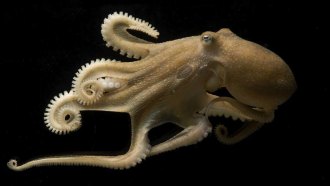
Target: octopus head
[257, 79]
[253, 75]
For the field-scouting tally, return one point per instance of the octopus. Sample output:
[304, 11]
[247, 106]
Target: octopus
[170, 82]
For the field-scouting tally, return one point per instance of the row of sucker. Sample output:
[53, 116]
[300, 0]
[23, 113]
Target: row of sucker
[62, 114]
[122, 162]
[117, 24]
[93, 81]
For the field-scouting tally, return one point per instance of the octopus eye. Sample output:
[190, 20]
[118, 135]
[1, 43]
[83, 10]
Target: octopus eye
[207, 39]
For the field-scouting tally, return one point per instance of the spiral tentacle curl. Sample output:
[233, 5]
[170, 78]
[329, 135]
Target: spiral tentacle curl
[62, 114]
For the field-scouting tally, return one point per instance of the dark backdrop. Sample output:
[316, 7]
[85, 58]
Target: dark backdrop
[44, 44]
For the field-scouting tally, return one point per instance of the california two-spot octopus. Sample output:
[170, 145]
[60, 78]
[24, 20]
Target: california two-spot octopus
[170, 82]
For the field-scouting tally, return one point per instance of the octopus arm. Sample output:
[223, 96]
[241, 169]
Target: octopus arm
[138, 151]
[246, 130]
[195, 132]
[253, 118]
[114, 32]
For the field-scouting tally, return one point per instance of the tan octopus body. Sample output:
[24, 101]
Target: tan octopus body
[170, 83]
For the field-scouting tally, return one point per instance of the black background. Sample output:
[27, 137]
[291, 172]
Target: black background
[44, 44]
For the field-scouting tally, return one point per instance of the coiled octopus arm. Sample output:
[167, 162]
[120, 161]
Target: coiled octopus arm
[253, 118]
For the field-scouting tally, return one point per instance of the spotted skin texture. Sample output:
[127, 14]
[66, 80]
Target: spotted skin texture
[170, 82]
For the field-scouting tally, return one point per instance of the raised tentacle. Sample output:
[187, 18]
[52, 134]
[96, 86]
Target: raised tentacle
[114, 32]
[253, 118]
[139, 150]
[190, 135]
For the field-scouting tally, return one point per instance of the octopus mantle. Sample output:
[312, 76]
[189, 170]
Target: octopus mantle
[170, 82]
